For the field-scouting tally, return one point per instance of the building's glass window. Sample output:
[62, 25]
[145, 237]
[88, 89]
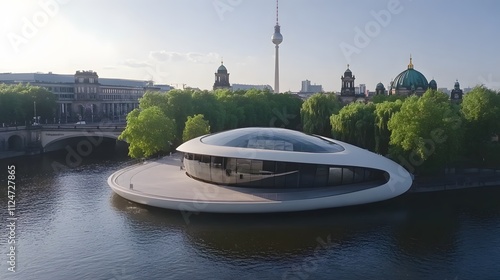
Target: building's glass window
[321, 178]
[335, 176]
[217, 169]
[271, 174]
[291, 175]
[307, 175]
[347, 175]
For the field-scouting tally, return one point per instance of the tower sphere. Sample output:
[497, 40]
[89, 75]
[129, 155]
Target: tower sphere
[277, 37]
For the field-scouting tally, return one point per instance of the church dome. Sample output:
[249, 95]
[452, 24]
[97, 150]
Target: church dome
[380, 86]
[222, 69]
[348, 72]
[433, 84]
[410, 80]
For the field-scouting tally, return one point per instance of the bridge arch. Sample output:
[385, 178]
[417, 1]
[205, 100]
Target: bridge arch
[15, 143]
[3, 144]
[85, 140]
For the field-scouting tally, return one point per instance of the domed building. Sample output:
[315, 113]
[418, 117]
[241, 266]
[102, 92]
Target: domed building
[409, 82]
[380, 89]
[222, 78]
[433, 85]
[457, 93]
[347, 83]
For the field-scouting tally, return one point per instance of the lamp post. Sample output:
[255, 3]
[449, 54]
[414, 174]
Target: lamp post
[34, 113]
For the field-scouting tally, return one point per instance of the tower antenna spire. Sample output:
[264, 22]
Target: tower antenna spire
[277, 38]
[277, 12]
[410, 66]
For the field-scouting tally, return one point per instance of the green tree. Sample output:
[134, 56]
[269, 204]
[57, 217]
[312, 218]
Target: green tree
[234, 114]
[180, 104]
[285, 111]
[206, 103]
[383, 113]
[155, 98]
[17, 103]
[481, 112]
[195, 126]
[426, 133]
[355, 124]
[316, 111]
[148, 132]
[257, 108]
[380, 98]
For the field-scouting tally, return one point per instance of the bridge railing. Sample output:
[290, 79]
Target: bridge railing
[65, 127]
[12, 128]
[80, 127]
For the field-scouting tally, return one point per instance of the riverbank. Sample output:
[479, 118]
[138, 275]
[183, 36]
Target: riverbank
[462, 179]
[31, 151]
[12, 154]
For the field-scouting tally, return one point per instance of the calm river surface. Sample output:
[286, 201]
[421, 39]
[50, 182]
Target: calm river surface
[72, 226]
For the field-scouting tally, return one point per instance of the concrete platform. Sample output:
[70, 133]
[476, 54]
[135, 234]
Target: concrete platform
[162, 183]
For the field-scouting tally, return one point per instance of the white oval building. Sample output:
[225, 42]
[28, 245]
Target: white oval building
[251, 170]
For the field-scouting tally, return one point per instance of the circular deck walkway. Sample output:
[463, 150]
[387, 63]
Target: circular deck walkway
[162, 183]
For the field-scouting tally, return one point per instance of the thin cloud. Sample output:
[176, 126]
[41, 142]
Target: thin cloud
[194, 57]
[136, 64]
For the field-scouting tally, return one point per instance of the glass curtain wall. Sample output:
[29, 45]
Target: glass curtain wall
[276, 174]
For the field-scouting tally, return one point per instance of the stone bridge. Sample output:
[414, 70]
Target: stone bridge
[46, 138]
[16, 138]
[56, 137]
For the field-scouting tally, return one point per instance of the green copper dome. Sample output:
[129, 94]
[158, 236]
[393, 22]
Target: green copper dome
[222, 69]
[410, 79]
[433, 85]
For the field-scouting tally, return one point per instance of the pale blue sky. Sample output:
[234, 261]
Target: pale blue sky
[182, 41]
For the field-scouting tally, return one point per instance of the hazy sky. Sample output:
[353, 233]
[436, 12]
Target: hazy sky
[182, 41]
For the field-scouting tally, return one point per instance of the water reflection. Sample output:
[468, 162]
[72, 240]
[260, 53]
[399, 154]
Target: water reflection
[263, 235]
[73, 221]
[419, 228]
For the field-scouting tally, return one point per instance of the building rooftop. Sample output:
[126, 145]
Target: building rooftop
[272, 139]
[64, 79]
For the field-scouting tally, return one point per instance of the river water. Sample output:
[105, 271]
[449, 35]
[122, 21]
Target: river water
[72, 226]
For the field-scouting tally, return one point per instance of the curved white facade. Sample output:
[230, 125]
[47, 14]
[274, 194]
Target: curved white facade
[275, 170]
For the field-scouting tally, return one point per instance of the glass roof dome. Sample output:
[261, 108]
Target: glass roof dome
[272, 139]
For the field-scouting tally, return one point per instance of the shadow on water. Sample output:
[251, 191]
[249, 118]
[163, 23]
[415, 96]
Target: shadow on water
[70, 157]
[419, 224]
[435, 218]
[44, 182]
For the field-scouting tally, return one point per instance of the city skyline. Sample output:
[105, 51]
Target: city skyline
[176, 42]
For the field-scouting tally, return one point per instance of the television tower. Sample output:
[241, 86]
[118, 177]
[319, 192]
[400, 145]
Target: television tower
[277, 38]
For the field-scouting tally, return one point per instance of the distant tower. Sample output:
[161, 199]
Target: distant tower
[277, 39]
[221, 77]
[433, 85]
[347, 83]
[380, 89]
[457, 93]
